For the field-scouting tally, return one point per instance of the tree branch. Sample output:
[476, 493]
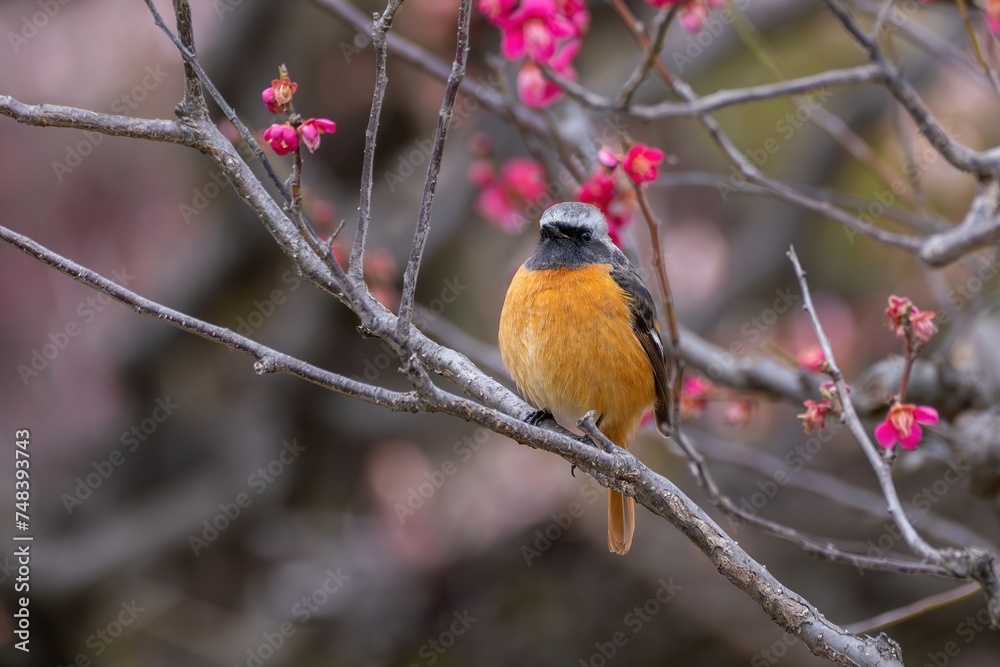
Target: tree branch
[54, 115]
[980, 227]
[433, 168]
[968, 563]
[960, 156]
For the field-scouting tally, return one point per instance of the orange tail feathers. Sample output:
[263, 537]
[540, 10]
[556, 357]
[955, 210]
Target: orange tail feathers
[621, 522]
[621, 509]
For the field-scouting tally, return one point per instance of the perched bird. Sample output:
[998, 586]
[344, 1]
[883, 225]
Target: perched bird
[578, 332]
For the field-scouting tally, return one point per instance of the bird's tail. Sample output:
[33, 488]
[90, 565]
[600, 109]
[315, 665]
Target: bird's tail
[621, 522]
[621, 509]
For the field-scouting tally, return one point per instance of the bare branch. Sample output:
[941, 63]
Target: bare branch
[617, 468]
[436, 68]
[54, 115]
[433, 168]
[980, 227]
[378, 32]
[968, 563]
[193, 103]
[915, 609]
[660, 27]
[960, 156]
[721, 98]
[267, 359]
[191, 62]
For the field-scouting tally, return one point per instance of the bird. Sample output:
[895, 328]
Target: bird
[578, 332]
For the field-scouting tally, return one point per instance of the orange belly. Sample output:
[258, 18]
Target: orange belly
[566, 337]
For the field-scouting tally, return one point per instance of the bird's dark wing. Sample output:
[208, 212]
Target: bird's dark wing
[648, 331]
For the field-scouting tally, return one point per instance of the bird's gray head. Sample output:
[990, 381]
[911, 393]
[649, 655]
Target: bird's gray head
[581, 222]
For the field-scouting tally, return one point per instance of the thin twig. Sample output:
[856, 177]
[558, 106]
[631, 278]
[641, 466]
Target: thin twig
[617, 468]
[749, 171]
[968, 563]
[660, 27]
[958, 155]
[914, 609]
[191, 61]
[54, 115]
[433, 168]
[267, 360]
[379, 28]
[193, 102]
[421, 58]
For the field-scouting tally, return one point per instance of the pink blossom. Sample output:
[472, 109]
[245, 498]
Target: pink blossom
[903, 315]
[992, 10]
[641, 163]
[577, 13]
[524, 178]
[282, 137]
[279, 95]
[902, 425]
[313, 128]
[496, 10]
[601, 190]
[922, 325]
[814, 418]
[503, 198]
[695, 393]
[534, 29]
[739, 412]
[607, 158]
[538, 92]
[693, 15]
[268, 96]
[811, 358]
[692, 12]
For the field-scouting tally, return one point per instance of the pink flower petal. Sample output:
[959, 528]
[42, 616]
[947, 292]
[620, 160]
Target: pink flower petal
[926, 415]
[885, 434]
[910, 441]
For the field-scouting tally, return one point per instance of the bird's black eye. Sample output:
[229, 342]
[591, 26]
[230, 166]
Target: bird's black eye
[586, 236]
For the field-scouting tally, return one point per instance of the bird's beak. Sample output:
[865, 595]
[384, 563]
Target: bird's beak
[550, 231]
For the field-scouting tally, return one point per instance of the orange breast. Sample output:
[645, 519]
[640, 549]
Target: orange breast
[566, 337]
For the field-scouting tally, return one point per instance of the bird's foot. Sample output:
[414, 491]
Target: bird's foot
[537, 417]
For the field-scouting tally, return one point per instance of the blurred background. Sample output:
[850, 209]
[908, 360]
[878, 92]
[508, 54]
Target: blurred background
[187, 511]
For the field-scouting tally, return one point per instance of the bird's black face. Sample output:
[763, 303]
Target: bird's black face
[564, 233]
[566, 245]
